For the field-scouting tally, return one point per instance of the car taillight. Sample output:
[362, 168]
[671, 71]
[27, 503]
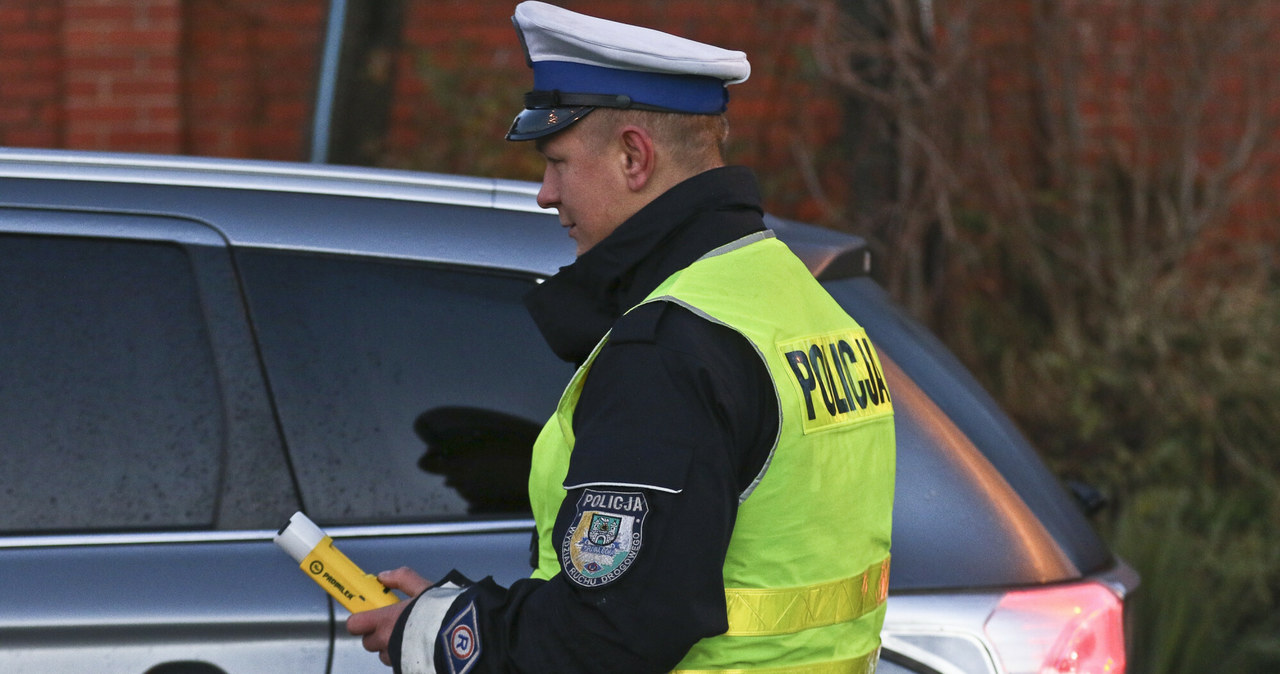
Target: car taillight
[1069, 629]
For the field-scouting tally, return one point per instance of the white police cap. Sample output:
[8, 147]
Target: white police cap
[581, 62]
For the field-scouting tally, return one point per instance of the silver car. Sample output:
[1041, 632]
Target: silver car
[192, 350]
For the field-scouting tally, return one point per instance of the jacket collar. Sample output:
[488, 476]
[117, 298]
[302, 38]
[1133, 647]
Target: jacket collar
[576, 307]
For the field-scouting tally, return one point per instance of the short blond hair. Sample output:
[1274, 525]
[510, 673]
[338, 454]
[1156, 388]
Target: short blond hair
[695, 141]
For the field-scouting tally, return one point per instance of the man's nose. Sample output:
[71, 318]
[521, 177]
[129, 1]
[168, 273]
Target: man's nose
[547, 197]
[548, 194]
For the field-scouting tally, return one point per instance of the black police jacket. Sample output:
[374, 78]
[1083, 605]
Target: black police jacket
[673, 401]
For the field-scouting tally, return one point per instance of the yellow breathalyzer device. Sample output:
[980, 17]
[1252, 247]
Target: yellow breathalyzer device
[308, 545]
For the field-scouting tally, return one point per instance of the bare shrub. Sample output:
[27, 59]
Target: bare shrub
[1074, 202]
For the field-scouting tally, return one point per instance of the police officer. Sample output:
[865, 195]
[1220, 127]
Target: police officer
[714, 490]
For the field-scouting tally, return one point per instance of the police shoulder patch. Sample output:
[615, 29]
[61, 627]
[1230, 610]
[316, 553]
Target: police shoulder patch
[604, 537]
[461, 641]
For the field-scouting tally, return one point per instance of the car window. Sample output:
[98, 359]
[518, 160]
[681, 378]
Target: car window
[406, 391]
[109, 402]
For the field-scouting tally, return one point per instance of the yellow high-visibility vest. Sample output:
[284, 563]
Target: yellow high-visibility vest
[807, 568]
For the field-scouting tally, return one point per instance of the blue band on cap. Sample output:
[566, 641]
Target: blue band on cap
[695, 94]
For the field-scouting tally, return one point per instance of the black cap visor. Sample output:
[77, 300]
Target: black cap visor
[534, 123]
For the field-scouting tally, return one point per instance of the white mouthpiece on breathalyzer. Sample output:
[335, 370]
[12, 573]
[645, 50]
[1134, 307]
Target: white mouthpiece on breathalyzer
[299, 537]
[316, 555]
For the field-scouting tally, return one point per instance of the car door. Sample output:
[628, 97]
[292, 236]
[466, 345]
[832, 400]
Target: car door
[410, 395]
[141, 462]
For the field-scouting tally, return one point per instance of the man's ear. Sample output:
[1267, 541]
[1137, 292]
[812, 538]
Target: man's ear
[638, 156]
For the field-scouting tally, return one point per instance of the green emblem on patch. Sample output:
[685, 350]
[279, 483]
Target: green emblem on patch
[604, 529]
[605, 537]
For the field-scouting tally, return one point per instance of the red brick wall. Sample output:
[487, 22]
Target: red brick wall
[31, 93]
[120, 74]
[238, 78]
[215, 77]
[250, 70]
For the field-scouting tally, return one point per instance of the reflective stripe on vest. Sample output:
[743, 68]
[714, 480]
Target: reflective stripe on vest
[760, 612]
[861, 665]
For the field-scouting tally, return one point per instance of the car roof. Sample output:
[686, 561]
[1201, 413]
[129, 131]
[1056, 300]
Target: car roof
[275, 176]
[250, 203]
[523, 238]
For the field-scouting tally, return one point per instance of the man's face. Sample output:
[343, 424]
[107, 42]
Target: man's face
[583, 179]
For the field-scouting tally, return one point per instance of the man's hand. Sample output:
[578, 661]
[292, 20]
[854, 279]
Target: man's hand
[376, 625]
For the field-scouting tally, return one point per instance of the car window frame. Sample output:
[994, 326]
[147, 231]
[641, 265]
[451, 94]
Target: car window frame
[254, 465]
